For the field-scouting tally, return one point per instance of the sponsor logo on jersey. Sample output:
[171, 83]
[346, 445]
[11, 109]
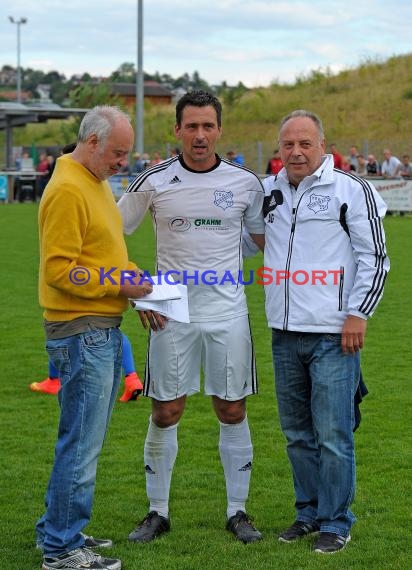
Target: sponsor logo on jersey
[318, 203]
[207, 222]
[223, 199]
[179, 224]
[175, 180]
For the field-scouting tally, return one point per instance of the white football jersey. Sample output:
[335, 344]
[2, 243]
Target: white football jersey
[198, 219]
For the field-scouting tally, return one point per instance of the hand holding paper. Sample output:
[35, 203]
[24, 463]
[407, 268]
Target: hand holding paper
[166, 299]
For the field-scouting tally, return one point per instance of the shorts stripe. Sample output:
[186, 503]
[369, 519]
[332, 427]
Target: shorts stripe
[146, 385]
[253, 369]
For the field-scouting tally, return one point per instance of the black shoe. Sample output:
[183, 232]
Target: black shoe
[241, 526]
[152, 526]
[329, 543]
[299, 529]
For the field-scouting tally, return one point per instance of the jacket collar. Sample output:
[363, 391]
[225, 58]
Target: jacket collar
[323, 175]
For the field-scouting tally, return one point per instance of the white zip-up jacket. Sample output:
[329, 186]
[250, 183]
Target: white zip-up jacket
[325, 254]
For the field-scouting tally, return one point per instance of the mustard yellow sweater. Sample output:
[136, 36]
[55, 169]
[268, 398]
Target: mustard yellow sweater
[81, 241]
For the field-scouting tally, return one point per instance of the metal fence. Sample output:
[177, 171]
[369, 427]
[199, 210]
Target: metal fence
[257, 154]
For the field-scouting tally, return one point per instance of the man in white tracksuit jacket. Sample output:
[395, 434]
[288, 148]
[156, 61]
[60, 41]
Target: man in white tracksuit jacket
[325, 269]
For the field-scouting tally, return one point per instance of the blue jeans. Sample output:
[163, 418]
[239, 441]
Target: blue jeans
[315, 387]
[89, 366]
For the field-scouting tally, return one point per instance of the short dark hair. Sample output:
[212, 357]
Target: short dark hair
[198, 99]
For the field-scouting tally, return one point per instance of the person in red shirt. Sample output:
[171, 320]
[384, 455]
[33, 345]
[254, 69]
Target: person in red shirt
[337, 157]
[43, 167]
[275, 164]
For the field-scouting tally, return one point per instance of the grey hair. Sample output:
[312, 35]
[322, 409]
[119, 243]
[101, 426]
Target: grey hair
[100, 121]
[308, 114]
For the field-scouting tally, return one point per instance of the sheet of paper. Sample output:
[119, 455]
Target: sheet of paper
[174, 309]
[162, 291]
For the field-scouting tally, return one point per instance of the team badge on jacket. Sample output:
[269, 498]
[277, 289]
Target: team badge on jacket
[223, 199]
[318, 203]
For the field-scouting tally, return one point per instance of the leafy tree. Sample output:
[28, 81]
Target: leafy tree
[53, 76]
[183, 81]
[89, 95]
[62, 89]
[198, 83]
[125, 73]
[86, 78]
[31, 79]
[59, 91]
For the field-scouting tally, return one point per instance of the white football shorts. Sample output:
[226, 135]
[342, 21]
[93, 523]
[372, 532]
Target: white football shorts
[222, 349]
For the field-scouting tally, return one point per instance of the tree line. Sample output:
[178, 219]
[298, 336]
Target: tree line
[63, 89]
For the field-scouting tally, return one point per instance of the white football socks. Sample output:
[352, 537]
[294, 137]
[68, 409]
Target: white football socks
[236, 454]
[160, 451]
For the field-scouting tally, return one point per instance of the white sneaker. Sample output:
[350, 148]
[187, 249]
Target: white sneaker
[81, 559]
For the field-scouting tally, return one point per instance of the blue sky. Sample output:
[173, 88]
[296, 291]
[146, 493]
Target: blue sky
[256, 42]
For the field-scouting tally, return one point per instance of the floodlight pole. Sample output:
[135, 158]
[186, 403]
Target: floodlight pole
[139, 81]
[18, 24]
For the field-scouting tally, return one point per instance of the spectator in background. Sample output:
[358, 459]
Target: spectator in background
[337, 157]
[373, 167]
[240, 159]
[391, 166]
[20, 158]
[361, 169]
[406, 168]
[145, 160]
[235, 157]
[156, 159]
[275, 163]
[44, 177]
[138, 165]
[353, 158]
[174, 152]
[346, 167]
[52, 163]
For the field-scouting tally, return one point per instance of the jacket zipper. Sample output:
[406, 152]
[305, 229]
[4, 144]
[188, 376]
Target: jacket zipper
[288, 260]
[291, 236]
[341, 282]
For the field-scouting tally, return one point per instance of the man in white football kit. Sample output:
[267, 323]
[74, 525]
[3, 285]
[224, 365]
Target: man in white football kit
[199, 204]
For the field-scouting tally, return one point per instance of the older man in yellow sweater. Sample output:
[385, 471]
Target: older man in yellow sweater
[85, 280]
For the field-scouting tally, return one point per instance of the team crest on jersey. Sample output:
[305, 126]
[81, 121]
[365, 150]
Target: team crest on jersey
[318, 203]
[223, 199]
